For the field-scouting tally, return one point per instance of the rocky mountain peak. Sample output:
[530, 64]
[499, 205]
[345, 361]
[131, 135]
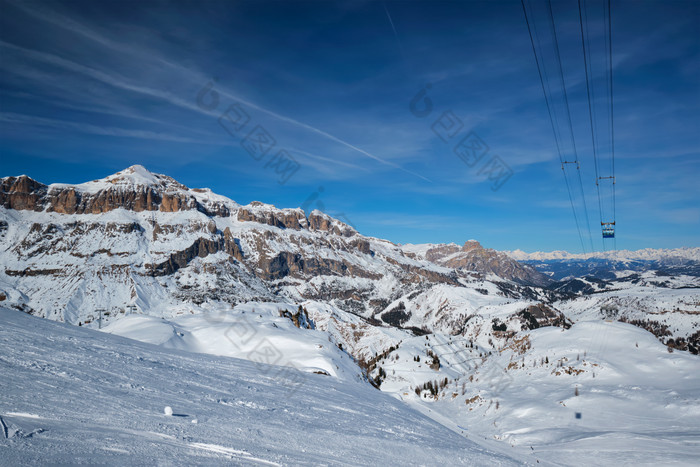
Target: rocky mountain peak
[473, 257]
[138, 189]
[270, 215]
[321, 221]
[20, 192]
[471, 245]
[134, 189]
[137, 176]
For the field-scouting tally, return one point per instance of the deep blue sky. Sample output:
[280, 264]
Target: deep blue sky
[89, 88]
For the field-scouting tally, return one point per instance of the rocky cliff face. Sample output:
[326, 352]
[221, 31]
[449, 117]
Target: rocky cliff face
[473, 257]
[22, 193]
[133, 189]
[168, 248]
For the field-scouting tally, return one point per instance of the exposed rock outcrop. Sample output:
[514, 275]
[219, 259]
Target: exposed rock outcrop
[473, 257]
[22, 193]
[269, 215]
[121, 190]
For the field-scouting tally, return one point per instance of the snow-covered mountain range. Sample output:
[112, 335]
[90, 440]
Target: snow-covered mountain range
[137, 238]
[142, 242]
[646, 254]
[474, 338]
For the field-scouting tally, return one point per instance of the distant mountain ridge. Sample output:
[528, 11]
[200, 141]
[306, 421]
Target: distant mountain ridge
[646, 254]
[560, 265]
[473, 257]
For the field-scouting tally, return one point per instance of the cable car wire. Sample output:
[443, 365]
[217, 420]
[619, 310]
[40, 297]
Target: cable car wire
[552, 111]
[612, 114]
[568, 116]
[551, 117]
[591, 114]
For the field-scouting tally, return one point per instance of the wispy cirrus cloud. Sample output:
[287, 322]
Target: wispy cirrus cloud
[13, 118]
[331, 83]
[112, 78]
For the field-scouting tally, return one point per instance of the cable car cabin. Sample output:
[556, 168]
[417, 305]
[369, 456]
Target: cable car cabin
[608, 229]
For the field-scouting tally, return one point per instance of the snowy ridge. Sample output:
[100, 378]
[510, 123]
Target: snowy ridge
[127, 179]
[646, 254]
[170, 250]
[214, 333]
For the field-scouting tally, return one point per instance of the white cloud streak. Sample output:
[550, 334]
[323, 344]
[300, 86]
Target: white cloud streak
[69, 24]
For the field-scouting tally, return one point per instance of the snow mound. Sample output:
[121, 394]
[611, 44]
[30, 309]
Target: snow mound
[251, 331]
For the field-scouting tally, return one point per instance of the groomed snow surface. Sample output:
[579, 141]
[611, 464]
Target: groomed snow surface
[600, 393]
[77, 396]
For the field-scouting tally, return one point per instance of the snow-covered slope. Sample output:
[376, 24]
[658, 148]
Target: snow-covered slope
[600, 393]
[669, 307]
[75, 396]
[248, 331]
[516, 389]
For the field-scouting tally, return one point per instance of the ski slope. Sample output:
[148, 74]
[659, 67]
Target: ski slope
[77, 396]
[600, 393]
[637, 402]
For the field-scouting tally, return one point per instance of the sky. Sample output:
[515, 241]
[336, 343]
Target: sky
[418, 122]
